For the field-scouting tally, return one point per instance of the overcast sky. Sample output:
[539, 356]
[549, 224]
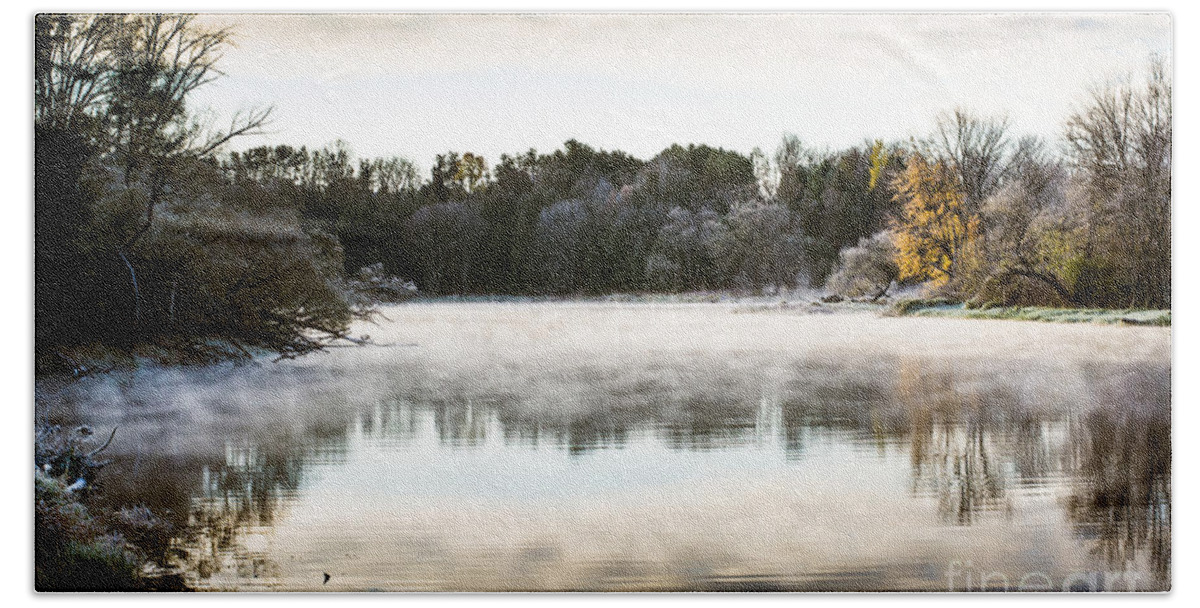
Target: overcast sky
[419, 85]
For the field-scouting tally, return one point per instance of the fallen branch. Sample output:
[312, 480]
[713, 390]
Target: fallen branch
[105, 446]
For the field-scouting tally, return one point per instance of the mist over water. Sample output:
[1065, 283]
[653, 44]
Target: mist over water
[573, 446]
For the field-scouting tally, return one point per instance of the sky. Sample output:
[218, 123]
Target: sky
[420, 85]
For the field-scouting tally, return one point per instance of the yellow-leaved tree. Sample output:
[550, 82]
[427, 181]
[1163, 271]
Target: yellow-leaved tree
[936, 235]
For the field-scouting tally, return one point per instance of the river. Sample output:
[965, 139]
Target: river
[618, 446]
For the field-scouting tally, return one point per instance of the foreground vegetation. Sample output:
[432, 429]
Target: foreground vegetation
[79, 546]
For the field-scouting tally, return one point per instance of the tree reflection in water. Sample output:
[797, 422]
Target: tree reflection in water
[953, 440]
[971, 448]
[230, 517]
[973, 444]
[1121, 460]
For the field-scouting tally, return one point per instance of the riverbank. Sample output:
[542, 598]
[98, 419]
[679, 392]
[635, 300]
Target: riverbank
[689, 297]
[97, 358]
[80, 544]
[84, 360]
[1104, 316]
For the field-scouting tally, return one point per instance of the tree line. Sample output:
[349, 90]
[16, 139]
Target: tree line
[147, 229]
[972, 212]
[578, 220]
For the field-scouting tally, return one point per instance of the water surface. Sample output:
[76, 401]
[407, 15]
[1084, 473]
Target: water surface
[574, 446]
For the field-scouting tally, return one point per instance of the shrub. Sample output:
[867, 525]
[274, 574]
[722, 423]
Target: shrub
[867, 269]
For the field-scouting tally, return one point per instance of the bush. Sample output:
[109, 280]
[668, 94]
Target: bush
[1096, 282]
[74, 548]
[1015, 290]
[908, 305]
[867, 269]
[72, 551]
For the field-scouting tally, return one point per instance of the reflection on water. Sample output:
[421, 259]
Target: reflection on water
[913, 473]
[1122, 459]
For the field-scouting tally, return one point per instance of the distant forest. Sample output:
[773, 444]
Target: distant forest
[148, 230]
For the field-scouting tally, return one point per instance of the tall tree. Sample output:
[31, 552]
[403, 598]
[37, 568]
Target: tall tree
[936, 231]
[1120, 147]
[149, 240]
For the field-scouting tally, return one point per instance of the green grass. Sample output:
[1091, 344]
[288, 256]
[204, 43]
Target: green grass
[941, 308]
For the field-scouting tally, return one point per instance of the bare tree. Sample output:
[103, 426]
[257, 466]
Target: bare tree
[72, 67]
[979, 149]
[158, 60]
[123, 81]
[385, 175]
[1023, 218]
[1120, 148]
[766, 174]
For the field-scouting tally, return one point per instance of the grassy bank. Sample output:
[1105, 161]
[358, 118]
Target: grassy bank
[1108, 316]
[80, 546]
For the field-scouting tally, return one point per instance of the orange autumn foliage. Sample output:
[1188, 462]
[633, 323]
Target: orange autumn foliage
[936, 233]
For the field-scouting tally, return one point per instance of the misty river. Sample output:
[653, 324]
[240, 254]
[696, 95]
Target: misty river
[619, 446]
